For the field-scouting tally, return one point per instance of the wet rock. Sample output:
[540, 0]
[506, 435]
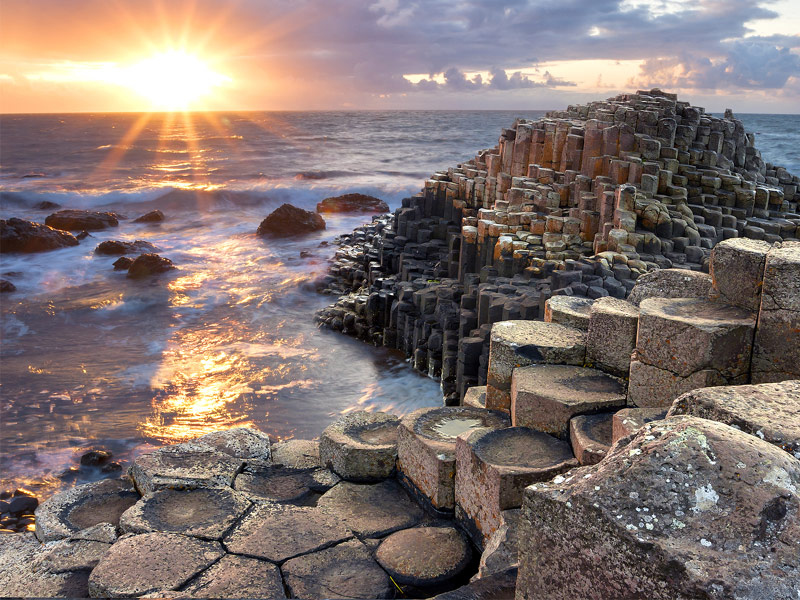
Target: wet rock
[81, 220]
[282, 484]
[18, 235]
[116, 247]
[154, 216]
[82, 507]
[590, 436]
[424, 556]
[344, 571]
[361, 446]
[670, 283]
[151, 562]
[203, 513]
[349, 203]
[279, 532]
[147, 265]
[689, 507]
[371, 510]
[6, 286]
[239, 442]
[83, 235]
[123, 264]
[95, 458]
[21, 505]
[237, 577]
[46, 205]
[296, 454]
[287, 220]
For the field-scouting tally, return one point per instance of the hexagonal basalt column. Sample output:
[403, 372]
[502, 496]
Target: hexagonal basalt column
[475, 397]
[521, 343]
[361, 446]
[546, 397]
[737, 271]
[493, 467]
[590, 436]
[571, 311]
[630, 420]
[426, 446]
[612, 335]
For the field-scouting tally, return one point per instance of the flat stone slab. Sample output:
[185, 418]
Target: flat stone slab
[187, 465]
[770, 411]
[424, 556]
[361, 446]
[151, 562]
[629, 420]
[82, 507]
[546, 397]
[279, 532]
[572, 311]
[344, 571]
[426, 446]
[237, 577]
[591, 436]
[284, 485]
[372, 510]
[70, 554]
[203, 513]
[296, 454]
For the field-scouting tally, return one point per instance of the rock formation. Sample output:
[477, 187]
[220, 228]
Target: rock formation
[18, 235]
[289, 220]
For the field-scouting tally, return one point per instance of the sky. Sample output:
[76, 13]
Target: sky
[142, 55]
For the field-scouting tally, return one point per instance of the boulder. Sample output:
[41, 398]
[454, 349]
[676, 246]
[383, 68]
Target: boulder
[154, 216]
[6, 286]
[287, 220]
[687, 508]
[147, 265]
[18, 235]
[81, 220]
[123, 263]
[116, 247]
[350, 203]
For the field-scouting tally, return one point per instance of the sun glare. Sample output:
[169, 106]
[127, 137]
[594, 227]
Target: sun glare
[173, 80]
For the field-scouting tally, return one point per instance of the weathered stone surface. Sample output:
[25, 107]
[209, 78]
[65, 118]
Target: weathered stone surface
[282, 484]
[590, 436]
[475, 397]
[116, 247]
[287, 220]
[611, 338]
[670, 283]
[426, 445]
[21, 574]
[629, 420]
[237, 577]
[653, 387]
[781, 290]
[689, 508]
[546, 397]
[770, 411]
[83, 507]
[187, 465]
[18, 235]
[203, 513]
[239, 442]
[737, 271]
[360, 446]
[81, 220]
[496, 586]
[494, 466]
[278, 532]
[520, 343]
[501, 551]
[72, 554]
[424, 556]
[149, 264]
[151, 562]
[296, 454]
[349, 203]
[371, 510]
[344, 571]
[572, 311]
[686, 335]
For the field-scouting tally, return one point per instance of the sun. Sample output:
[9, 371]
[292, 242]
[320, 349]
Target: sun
[173, 80]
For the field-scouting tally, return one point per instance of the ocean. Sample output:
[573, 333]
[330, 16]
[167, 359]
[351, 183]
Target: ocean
[90, 359]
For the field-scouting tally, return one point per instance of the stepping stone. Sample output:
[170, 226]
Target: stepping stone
[361, 446]
[151, 562]
[203, 513]
[279, 532]
[475, 397]
[630, 420]
[82, 507]
[426, 448]
[590, 436]
[187, 465]
[769, 411]
[572, 311]
[670, 283]
[520, 343]
[612, 335]
[296, 454]
[237, 577]
[284, 485]
[344, 571]
[546, 397]
[737, 271]
[493, 467]
[371, 510]
[239, 442]
[424, 556]
[71, 554]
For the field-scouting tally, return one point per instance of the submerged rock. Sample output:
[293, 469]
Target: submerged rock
[46, 205]
[149, 264]
[80, 220]
[154, 216]
[349, 203]
[18, 235]
[116, 247]
[123, 264]
[6, 286]
[289, 220]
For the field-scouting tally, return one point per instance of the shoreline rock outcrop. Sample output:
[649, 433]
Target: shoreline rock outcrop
[19, 235]
[82, 220]
[288, 220]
